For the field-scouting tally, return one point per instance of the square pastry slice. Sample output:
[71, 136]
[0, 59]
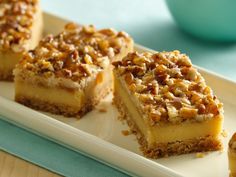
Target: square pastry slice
[167, 104]
[69, 73]
[20, 30]
[232, 156]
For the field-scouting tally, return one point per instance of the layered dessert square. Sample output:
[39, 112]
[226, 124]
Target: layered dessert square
[232, 156]
[71, 72]
[20, 30]
[167, 104]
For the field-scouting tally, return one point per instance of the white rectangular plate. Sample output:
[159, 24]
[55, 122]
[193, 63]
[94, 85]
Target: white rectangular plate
[99, 134]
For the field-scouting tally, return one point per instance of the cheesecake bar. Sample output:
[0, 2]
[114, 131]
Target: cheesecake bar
[20, 30]
[167, 104]
[232, 156]
[69, 73]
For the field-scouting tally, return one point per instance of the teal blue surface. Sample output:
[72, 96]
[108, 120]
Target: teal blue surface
[208, 19]
[150, 24]
[50, 155]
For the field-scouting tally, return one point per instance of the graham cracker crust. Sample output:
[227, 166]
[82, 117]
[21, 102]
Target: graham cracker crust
[232, 175]
[61, 109]
[6, 76]
[158, 150]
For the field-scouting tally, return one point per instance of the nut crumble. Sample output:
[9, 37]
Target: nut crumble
[16, 20]
[168, 87]
[75, 53]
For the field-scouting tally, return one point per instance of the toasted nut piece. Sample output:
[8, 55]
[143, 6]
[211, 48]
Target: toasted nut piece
[104, 45]
[111, 52]
[195, 97]
[176, 103]
[154, 88]
[108, 32]
[184, 61]
[192, 74]
[45, 65]
[117, 42]
[66, 72]
[188, 113]
[99, 78]
[172, 113]
[203, 117]
[212, 108]
[132, 87]
[129, 78]
[169, 95]
[146, 98]
[140, 60]
[148, 78]
[71, 27]
[207, 90]
[201, 109]
[89, 29]
[140, 88]
[103, 62]
[74, 55]
[123, 34]
[160, 69]
[88, 59]
[155, 116]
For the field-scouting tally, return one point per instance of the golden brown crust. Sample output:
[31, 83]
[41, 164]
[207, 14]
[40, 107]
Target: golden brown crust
[232, 143]
[6, 76]
[232, 175]
[16, 20]
[167, 88]
[61, 109]
[201, 144]
[76, 53]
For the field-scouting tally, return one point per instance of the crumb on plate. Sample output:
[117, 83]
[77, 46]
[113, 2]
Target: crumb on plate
[125, 132]
[102, 110]
[224, 133]
[200, 155]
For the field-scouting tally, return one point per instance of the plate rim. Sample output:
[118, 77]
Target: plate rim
[9, 114]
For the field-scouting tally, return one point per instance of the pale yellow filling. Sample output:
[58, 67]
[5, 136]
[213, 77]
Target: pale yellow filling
[54, 95]
[76, 97]
[167, 132]
[186, 131]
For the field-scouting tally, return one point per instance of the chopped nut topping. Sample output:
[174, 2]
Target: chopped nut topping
[187, 113]
[16, 19]
[168, 87]
[232, 143]
[75, 53]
